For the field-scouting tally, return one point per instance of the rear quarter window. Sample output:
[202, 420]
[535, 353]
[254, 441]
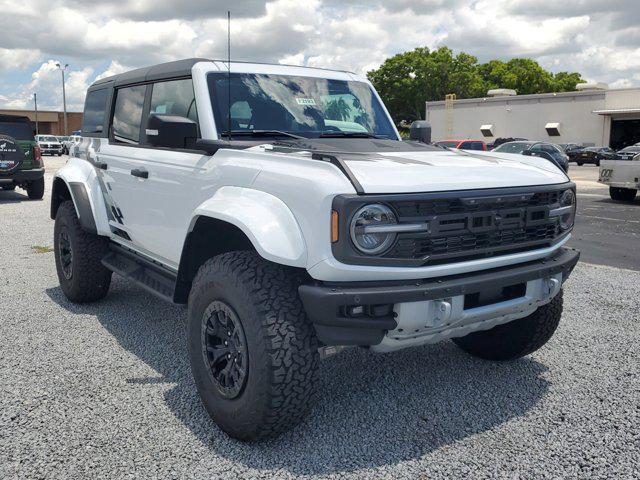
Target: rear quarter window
[95, 111]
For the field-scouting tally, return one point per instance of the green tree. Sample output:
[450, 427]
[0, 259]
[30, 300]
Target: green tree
[337, 109]
[407, 80]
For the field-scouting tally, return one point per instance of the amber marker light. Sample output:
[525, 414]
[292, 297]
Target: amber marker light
[334, 226]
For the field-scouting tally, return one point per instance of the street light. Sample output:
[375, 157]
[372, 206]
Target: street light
[64, 95]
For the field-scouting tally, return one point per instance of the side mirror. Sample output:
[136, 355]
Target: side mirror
[420, 131]
[171, 131]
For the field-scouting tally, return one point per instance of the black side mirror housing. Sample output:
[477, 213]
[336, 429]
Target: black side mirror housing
[420, 131]
[171, 131]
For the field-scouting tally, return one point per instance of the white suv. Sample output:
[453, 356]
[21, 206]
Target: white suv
[282, 206]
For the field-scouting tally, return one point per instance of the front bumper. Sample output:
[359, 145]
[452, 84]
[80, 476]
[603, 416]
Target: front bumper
[396, 316]
[19, 176]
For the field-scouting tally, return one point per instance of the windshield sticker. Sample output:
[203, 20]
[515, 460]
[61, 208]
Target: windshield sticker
[306, 101]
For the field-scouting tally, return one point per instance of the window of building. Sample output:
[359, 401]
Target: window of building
[127, 114]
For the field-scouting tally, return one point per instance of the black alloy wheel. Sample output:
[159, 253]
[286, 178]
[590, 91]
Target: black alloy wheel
[224, 347]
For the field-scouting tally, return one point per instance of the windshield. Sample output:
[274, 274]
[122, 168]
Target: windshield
[632, 149]
[305, 106]
[17, 130]
[47, 138]
[511, 147]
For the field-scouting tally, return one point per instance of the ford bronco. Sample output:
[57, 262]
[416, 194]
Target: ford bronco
[20, 157]
[281, 205]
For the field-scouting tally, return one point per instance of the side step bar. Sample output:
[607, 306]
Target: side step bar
[152, 277]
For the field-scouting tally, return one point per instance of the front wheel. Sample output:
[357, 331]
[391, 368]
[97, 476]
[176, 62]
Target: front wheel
[35, 189]
[517, 338]
[253, 352]
[622, 194]
[79, 254]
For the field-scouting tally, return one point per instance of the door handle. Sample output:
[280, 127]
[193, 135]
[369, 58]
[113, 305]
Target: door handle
[101, 165]
[140, 173]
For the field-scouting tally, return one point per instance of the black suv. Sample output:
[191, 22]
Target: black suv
[594, 155]
[546, 150]
[20, 157]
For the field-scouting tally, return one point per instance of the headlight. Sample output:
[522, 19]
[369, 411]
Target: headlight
[567, 209]
[372, 229]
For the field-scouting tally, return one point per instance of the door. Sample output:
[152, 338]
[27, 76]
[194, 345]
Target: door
[155, 189]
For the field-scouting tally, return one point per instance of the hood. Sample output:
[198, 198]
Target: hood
[444, 170]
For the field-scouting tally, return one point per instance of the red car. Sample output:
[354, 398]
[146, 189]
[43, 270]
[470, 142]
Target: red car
[463, 144]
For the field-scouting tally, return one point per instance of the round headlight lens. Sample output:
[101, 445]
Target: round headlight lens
[568, 199]
[364, 234]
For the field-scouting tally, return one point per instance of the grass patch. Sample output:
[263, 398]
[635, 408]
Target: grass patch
[41, 249]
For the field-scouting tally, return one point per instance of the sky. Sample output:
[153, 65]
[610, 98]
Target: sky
[97, 38]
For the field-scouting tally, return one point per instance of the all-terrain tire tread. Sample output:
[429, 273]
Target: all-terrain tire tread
[515, 339]
[292, 347]
[91, 280]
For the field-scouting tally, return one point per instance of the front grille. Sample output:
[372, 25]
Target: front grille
[475, 227]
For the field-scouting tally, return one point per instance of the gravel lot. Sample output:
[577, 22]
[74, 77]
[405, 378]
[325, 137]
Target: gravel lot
[105, 391]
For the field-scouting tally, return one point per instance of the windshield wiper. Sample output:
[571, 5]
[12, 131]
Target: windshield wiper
[349, 135]
[259, 133]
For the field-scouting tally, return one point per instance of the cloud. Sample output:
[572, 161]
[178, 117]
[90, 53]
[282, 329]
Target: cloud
[599, 39]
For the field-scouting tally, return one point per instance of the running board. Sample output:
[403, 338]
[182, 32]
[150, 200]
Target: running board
[153, 277]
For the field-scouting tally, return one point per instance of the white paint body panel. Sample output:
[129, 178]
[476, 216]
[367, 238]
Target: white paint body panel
[621, 173]
[282, 201]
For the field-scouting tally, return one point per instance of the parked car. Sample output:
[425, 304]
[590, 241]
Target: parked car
[537, 149]
[628, 153]
[50, 144]
[500, 140]
[622, 177]
[252, 199]
[63, 141]
[463, 144]
[20, 157]
[572, 150]
[71, 141]
[594, 155]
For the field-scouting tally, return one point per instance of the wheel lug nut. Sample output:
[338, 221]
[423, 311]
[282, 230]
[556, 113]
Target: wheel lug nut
[229, 356]
[228, 334]
[226, 343]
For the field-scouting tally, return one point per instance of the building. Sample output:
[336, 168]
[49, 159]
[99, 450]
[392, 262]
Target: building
[50, 122]
[593, 115]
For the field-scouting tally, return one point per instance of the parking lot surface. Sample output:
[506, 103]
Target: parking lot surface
[105, 391]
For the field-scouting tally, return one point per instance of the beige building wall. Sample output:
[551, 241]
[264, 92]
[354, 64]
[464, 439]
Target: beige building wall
[526, 116]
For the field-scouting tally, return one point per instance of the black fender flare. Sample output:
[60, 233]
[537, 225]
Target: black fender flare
[77, 193]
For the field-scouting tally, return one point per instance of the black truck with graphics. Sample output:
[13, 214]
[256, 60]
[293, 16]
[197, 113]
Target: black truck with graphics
[20, 157]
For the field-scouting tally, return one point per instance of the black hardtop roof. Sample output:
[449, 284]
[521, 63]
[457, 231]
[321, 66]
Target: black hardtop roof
[14, 118]
[179, 68]
[176, 69]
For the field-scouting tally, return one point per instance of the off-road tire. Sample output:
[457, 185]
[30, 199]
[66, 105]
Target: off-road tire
[580, 163]
[9, 188]
[89, 280]
[35, 189]
[281, 345]
[517, 338]
[622, 194]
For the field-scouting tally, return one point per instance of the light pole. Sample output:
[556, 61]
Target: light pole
[35, 104]
[64, 95]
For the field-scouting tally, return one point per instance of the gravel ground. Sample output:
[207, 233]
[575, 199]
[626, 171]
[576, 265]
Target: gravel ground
[104, 391]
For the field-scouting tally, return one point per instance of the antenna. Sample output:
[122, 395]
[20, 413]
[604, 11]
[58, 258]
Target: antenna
[229, 74]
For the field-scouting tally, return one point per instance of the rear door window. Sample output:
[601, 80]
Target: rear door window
[95, 109]
[127, 114]
[471, 146]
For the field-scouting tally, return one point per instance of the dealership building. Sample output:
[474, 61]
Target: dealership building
[49, 122]
[593, 115]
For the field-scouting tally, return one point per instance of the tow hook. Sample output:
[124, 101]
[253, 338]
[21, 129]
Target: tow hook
[553, 286]
[442, 311]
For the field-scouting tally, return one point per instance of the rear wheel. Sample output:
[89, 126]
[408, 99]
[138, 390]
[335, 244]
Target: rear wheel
[35, 189]
[79, 254]
[580, 163]
[253, 352]
[517, 338]
[622, 194]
